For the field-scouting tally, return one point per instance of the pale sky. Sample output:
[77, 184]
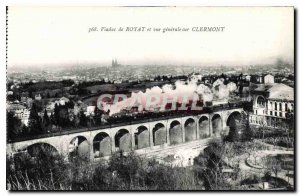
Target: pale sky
[59, 35]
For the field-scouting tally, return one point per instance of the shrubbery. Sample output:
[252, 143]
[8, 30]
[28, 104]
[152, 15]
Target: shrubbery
[286, 142]
[121, 172]
[216, 168]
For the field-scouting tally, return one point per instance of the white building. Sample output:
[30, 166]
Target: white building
[248, 77]
[23, 115]
[90, 110]
[269, 79]
[20, 111]
[38, 97]
[271, 104]
[63, 100]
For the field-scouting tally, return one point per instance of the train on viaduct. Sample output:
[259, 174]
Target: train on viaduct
[94, 144]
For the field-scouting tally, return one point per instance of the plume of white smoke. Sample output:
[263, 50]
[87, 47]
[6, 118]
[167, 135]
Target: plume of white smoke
[179, 90]
[167, 88]
[218, 82]
[231, 87]
[222, 91]
[205, 92]
[183, 88]
[138, 100]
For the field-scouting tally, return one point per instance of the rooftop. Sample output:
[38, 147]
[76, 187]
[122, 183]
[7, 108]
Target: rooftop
[277, 91]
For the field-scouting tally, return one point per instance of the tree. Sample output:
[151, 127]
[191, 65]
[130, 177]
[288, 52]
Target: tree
[273, 164]
[34, 121]
[260, 132]
[56, 114]
[126, 167]
[52, 119]
[13, 125]
[82, 119]
[70, 104]
[64, 120]
[233, 135]
[25, 130]
[76, 121]
[237, 124]
[290, 121]
[211, 164]
[247, 131]
[241, 131]
[46, 120]
[98, 115]
[30, 94]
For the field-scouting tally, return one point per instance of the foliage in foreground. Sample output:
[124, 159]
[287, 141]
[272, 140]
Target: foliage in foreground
[119, 173]
[216, 168]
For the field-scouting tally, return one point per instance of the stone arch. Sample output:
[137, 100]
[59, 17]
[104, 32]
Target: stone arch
[204, 127]
[175, 132]
[159, 134]
[41, 149]
[216, 124]
[123, 140]
[102, 145]
[79, 147]
[142, 137]
[190, 128]
[233, 118]
[260, 101]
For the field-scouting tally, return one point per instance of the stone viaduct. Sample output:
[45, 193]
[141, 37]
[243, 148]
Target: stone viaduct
[154, 134]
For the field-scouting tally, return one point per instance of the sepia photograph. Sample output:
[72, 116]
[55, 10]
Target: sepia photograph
[150, 98]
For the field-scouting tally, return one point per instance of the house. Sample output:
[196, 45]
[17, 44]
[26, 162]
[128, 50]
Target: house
[80, 106]
[27, 101]
[12, 107]
[60, 101]
[38, 97]
[272, 104]
[20, 111]
[23, 115]
[90, 110]
[63, 101]
[248, 78]
[269, 79]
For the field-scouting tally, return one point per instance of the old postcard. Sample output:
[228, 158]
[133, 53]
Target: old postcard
[150, 98]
